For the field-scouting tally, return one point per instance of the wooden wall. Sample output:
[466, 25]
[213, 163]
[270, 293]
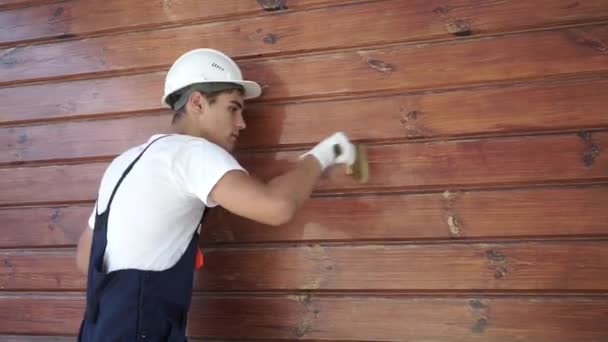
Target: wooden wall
[486, 216]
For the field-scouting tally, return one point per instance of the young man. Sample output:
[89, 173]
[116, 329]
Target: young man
[140, 259]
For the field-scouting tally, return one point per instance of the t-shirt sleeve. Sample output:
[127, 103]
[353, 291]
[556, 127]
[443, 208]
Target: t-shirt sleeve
[200, 164]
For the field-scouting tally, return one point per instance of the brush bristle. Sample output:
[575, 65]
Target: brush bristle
[360, 169]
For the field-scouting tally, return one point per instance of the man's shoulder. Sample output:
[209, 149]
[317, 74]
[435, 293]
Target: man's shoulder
[198, 145]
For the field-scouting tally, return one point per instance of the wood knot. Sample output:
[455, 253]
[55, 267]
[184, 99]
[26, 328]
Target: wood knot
[441, 10]
[273, 5]
[479, 326]
[494, 255]
[270, 38]
[412, 125]
[476, 304]
[8, 264]
[592, 149]
[7, 58]
[410, 116]
[587, 40]
[380, 65]
[55, 219]
[302, 329]
[451, 195]
[497, 263]
[454, 226]
[459, 28]
[585, 135]
[305, 299]
[590, 154]
[22, 138]
[58, 12]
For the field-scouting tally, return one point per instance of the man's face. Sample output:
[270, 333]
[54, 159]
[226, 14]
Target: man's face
[222, 121]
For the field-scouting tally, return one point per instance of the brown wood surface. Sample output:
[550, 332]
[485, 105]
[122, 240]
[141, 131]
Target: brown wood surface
[479, 162]
[375, 22]
[536, 212]
[518, 266]
[30, 338]
[542, 212]
[548, 266]
[26, 338]
[449, 319]
[497, 110]
[71, 19]
[410, 67]
[43, 226]
[8, 4]
[432, 165]
[485, 218]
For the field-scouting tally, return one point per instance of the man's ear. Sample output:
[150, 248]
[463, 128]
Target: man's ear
[197, 101]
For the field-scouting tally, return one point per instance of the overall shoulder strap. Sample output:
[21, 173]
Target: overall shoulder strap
[127, 170]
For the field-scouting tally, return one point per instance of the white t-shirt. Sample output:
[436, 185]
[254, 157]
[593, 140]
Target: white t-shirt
[160, 202]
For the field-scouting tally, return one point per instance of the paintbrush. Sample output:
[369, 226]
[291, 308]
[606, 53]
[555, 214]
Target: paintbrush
[359, 170]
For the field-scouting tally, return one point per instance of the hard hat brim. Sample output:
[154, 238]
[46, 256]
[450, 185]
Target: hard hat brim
[252, 90]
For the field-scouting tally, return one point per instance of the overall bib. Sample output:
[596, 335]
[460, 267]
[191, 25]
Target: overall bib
[136, 305]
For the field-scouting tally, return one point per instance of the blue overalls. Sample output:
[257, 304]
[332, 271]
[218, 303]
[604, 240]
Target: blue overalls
[136, 305]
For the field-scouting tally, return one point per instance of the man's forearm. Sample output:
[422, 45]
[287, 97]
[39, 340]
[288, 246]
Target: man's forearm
[297, 185]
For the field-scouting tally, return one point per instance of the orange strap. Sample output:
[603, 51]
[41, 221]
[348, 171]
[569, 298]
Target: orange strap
[199, 261]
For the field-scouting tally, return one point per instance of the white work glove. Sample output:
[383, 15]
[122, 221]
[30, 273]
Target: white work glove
[335, 149]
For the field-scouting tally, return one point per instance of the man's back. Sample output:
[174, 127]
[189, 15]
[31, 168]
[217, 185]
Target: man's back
[158, 205]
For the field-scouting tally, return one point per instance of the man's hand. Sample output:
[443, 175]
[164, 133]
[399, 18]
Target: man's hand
[336, 149]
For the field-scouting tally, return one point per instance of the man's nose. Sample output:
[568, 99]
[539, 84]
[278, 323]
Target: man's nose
[241, 122]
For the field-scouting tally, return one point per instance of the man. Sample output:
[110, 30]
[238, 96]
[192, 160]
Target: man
[140, 259]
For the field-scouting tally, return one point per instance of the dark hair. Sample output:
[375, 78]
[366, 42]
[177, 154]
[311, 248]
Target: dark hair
[210, 96]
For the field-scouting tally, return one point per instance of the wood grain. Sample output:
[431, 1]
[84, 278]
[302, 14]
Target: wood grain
[539, 107]
[71, 19]
[25, 338]
[43, 226]
[293, 32]
[546, 266]
[536, 212]
[425, 18]
[532, 55]
[475, 318]
[410, 166]
[453, 164]
[542, 212]
[8, 4]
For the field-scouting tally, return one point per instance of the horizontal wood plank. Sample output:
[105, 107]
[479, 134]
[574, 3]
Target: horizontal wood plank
[537, 212]
[43, 226]
[8, 4]
[30, 338]
[539, 107]
[547, 266]
[70, 19]
[543, 212]
[413, 166]
[517, 266]
[426, 18]
[383, 23]
[450, 164]
[397, 68]
[61, 183]
[475, 318]
[25, 338]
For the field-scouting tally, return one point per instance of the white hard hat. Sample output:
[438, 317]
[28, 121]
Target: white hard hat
[206, 66]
